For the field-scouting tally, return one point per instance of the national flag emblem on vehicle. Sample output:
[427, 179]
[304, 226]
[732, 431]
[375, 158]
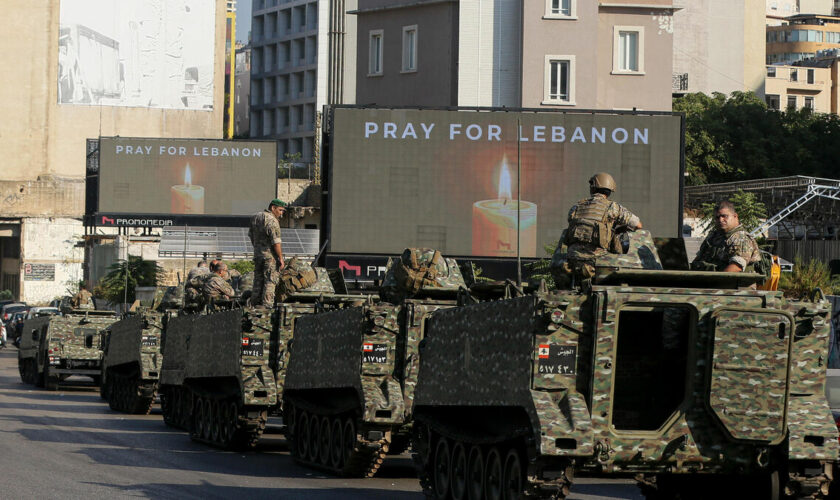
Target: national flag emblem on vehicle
[366, 347]
[543, 351]
[246, 341]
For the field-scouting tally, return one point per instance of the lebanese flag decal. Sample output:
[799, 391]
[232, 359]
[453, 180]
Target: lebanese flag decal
[366, 347]
[543, 351]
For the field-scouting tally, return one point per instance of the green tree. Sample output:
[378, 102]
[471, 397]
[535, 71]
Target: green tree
[124, 277]
[6, 295]
[750, 210]
[243, 266]
[807, 276]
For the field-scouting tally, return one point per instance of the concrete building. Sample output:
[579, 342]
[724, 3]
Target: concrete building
[53, 103]
[242, 91]
[719, 46]
[816, 7]
[302, 53]
[802, 37]
[562, 54]
[796, 87]
[779, 10]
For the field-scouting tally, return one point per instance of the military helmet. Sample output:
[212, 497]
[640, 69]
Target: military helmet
[602, 180]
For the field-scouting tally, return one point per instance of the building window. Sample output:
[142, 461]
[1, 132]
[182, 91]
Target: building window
[809, 103]
[628, 49]
[771, 72]
[773, 101]
[791, 103]
[559, 80]
[375, 53]
[409, 49]
[794, 75]
[560, 9]
[810, 76]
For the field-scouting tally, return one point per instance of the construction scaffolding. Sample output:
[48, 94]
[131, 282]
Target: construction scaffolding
[809, 203]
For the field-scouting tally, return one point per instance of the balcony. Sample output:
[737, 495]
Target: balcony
[679, 82]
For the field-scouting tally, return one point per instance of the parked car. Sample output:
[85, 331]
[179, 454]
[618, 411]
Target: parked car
[34, 312]
[8, 310]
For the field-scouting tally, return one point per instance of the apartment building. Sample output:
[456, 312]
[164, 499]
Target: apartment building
[300, 61]
[242, 93]
[802, 38]
[797, 87]
[779, 10]
[563, 54]
[719, 45]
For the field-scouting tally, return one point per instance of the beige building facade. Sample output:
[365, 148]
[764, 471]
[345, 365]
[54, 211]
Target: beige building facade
[567, 54]
[798, 87]
[801, 38]
[44, 132]
[719, 46]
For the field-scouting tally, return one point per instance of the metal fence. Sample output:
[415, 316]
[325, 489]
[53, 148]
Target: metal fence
[827, 251]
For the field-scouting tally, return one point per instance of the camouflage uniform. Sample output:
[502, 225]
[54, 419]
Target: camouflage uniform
[216, 289]
[580, 257]
[197, 271]
[83, 300]
[264, 233]
[721, 248]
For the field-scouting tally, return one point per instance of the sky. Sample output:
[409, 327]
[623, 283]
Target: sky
[243, 20]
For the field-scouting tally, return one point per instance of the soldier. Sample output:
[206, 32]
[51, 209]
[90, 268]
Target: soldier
[198, 270]
[268, 252]
[216, 290]
[592, 226]
[729, 247]
[83, 299]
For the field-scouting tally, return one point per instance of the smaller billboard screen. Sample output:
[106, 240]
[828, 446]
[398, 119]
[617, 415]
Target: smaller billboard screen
[194, 177]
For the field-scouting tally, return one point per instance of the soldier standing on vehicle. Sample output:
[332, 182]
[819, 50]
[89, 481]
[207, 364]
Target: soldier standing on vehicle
[216, 290]
[729, 247]
[83, 299]
[268, 252]
[592, 227]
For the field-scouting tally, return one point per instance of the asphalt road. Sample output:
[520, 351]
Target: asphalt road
[69, 444]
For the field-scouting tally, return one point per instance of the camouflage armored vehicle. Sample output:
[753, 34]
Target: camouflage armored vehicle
[696, 384]
[350, 383]
[55, 347]
[132, 360]
[223, 372]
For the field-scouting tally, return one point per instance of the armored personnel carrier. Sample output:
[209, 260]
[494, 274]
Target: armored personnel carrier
[223, 371]
[350, 383]
[132, 360]
[693, 382]
[53, 348]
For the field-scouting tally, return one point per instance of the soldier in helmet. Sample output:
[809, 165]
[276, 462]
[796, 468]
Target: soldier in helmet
[729, 247]
[592, 226]
[268, 252]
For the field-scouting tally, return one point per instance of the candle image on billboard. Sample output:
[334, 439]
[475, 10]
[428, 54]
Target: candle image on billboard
[187, 198]
[494, 223]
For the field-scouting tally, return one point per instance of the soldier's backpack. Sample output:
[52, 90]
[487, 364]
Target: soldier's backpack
[417, 267]
[297, 275]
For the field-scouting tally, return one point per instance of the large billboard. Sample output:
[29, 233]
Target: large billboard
[479, 183]
[143, 53]
[190, 178]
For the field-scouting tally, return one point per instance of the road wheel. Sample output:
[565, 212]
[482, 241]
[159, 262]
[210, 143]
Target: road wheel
[198, 419]
[442, 466]
[22, 370]
[475, 473]
[458, 481]
[493, 475]
[216, 421]
[336, 441]
[326, 441]
[225, 418]
[348, 439]
[114, 398]
[39, 377]
[302, 436]
[208, 419]
[314, 438]
[513, 476]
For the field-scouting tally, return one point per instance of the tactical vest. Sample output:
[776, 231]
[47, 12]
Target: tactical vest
[411, 276]
[296, 276]
[589, 223]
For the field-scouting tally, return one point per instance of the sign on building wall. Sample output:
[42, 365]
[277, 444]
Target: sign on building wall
[141, 53]
[464, 181]
[191, 178]
[39, 272]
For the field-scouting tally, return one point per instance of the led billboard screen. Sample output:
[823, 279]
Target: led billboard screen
[141, 53]
[451, 179]
[191, 177]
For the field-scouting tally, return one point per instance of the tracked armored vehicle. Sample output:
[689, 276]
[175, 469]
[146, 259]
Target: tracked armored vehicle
[54, 348]
[696, 384]
[350, 383]
[223, 371]
[132, 360]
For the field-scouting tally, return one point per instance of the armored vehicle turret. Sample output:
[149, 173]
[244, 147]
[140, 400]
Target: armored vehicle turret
[56, 347]
[695, 383]
[349, 387]
[132, 360]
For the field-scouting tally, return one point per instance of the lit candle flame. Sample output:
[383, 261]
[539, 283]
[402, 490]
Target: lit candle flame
[504, 183]
[188, 176]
